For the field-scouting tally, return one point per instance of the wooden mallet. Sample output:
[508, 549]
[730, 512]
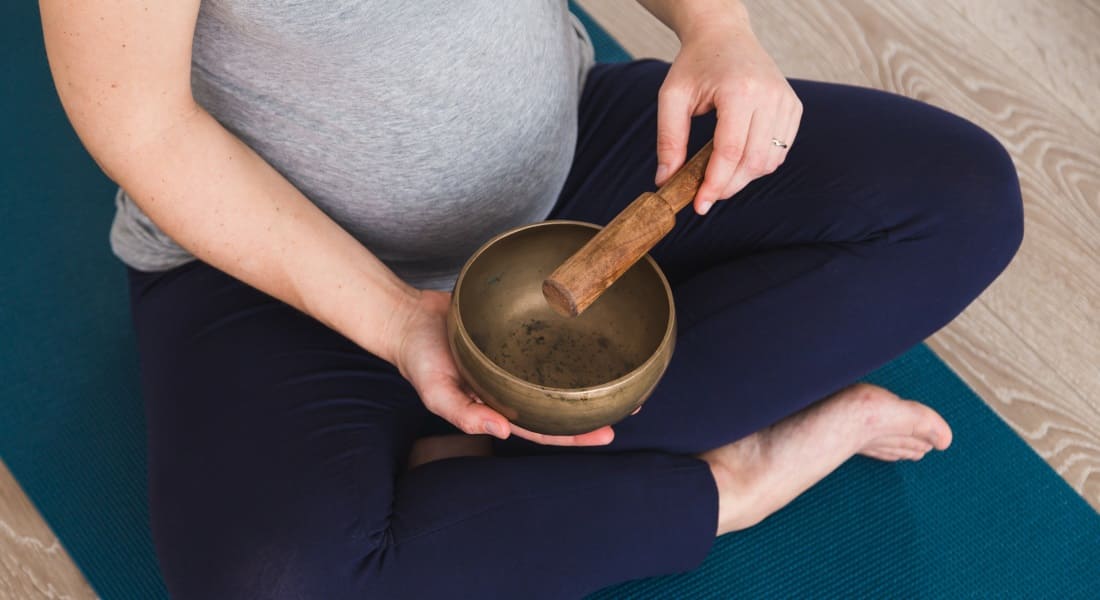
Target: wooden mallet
[583, 277]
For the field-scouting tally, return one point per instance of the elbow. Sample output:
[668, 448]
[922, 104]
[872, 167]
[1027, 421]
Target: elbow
[120, 135]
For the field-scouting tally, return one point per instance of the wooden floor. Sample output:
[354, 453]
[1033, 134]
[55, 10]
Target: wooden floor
[1028, 71]
[32, 562]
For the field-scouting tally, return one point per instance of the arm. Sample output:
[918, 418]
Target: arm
[123, 70]
[722, 66]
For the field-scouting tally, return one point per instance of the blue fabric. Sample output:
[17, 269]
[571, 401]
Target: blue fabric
[987, 518]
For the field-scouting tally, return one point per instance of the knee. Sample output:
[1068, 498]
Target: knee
[274, 543]
[272, 565]
[970, 201]
[990, 206]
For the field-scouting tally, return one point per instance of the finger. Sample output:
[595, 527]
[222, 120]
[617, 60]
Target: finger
[729, 144]
[794, 123]
[884, 455]
[783, 118]
[759, 150]
[599, 437]
[447, 400]
[674, 108]
[789, 117]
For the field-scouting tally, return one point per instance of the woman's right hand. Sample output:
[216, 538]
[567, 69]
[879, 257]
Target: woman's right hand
[423, 356]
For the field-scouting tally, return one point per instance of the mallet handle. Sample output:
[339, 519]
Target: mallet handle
[583, 277]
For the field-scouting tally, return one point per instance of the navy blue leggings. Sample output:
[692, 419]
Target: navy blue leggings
[277, 447]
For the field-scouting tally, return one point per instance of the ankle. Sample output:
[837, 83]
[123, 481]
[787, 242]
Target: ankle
[733, 491]
[723, 482]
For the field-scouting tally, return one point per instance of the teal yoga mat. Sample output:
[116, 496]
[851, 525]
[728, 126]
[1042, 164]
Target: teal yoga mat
[988, 518]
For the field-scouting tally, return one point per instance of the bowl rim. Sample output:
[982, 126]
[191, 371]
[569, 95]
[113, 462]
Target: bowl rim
[666, 339]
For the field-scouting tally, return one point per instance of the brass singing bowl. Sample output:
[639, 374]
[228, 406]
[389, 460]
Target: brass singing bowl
[546, 372]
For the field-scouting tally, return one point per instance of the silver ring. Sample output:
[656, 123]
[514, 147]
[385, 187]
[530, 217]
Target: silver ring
[778, 143]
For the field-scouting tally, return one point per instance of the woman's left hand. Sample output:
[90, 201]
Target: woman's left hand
[721, 66]
[424, 358]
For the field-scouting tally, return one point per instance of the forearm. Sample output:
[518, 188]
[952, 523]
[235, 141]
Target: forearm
[689, 18]
[222, 202]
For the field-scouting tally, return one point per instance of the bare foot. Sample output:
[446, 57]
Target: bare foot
[438, 447]
[761, 473]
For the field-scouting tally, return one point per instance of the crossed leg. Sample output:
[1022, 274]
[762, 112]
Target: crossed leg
[278, 449]
[809, 278]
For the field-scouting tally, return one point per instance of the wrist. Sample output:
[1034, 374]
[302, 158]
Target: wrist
[705, 20]
[371, 306]
[395, 326]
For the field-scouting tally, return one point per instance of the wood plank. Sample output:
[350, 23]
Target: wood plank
[32, 562]
[1053, 41]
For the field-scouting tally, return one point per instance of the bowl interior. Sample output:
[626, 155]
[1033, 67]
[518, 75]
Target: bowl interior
[501, 307]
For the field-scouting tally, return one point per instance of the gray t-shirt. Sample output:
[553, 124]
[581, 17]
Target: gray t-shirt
[424, 128]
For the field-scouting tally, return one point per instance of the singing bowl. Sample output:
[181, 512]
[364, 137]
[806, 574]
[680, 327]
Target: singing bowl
[546, 372]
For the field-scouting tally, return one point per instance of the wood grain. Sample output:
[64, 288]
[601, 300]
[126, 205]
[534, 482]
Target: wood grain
[1053, 41]
[1031, 345]
[32, 562]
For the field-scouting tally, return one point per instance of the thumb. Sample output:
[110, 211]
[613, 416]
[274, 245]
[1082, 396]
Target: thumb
[465, 413]
[674, 111]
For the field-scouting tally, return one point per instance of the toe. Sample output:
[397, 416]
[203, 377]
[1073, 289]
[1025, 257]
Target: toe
[913, 455]
[882, 455]
[929, 426]
[899, 443]
[886, 454]
[915, 445]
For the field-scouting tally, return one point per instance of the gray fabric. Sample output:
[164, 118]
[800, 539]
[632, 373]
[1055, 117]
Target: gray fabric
[424, 128]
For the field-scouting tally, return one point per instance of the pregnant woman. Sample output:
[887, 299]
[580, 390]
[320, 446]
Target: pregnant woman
[301, 182]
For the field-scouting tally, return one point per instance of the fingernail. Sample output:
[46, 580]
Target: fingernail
[662, 171]
[492, 429]
[704, 207]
